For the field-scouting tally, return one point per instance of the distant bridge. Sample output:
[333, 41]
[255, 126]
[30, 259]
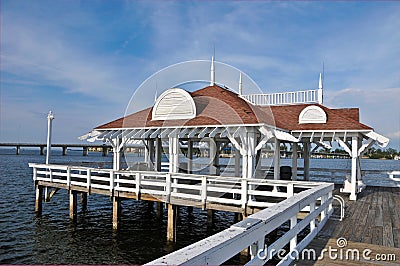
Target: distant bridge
[85, 147]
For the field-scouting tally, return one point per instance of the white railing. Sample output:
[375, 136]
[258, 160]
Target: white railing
[282, 98]
[392, 175]
[171, 186]
[252, 232]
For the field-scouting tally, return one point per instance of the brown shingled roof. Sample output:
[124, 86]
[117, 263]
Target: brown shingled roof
[214, 106]
[337, 119]
[218, 106]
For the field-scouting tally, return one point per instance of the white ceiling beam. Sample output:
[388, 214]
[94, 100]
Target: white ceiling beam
[215, 132]
[148, 132]
[116, 134]
[203, 132]
[224, 133]
[321, 139]
[139, 133]
[183, 133]
[174, 133]
[131, 133]
[193, 132]
[165, 132]
[155, 133]
[312, 136]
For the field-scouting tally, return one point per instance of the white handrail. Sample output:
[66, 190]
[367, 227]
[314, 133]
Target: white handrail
[252, 231]
[202, 188]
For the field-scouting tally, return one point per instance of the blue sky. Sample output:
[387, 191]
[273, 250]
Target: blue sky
[84, 59]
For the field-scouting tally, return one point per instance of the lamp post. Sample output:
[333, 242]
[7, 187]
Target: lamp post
[50, 118]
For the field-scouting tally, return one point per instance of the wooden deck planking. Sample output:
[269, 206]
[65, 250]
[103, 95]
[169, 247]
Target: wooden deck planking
[372, 222]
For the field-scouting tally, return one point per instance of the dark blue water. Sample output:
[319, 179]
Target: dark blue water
[53, 239]
[25, 239]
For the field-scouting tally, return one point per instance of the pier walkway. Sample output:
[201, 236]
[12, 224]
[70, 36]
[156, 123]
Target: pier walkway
[372, 222]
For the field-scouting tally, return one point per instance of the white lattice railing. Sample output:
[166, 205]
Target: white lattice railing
[201, 188]
[282, 98]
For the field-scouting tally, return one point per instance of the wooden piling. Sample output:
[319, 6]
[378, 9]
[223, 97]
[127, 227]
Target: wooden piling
[159, 210]
[39, 200]
[116, 212]
[171, 225]
[210, 218]
[238, 217]
[73, 202]
[84, 201]
[46, 194]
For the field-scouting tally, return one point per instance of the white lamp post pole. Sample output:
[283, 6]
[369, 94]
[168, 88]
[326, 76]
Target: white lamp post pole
[50, 118]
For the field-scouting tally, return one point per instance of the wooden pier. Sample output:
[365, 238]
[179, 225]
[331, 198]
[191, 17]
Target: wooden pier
[244, 196]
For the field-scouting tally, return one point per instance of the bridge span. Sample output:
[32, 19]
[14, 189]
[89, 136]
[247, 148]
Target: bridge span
[85, 147]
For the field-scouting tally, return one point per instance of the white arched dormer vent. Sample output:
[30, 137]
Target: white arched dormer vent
[174, 104]
[312, 115]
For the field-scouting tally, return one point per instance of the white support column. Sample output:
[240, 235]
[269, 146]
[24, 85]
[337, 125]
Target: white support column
[354, 156]
[117, 155]
[237, 163]
[277, 156]
[146, 152]
[306, 156]
[173, 154]
[244, 166]
[294, 161]
[251, 153]
[212, 156]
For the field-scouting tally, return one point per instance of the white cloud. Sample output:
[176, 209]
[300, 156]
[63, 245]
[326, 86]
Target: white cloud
[394, 134]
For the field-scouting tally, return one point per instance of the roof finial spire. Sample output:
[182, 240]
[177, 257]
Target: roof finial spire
[156, 94]
[212, 72]
[320, 81]
[320, 87]
[240, 83]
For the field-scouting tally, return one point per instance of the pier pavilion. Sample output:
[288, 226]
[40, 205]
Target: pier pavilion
[220, 116]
